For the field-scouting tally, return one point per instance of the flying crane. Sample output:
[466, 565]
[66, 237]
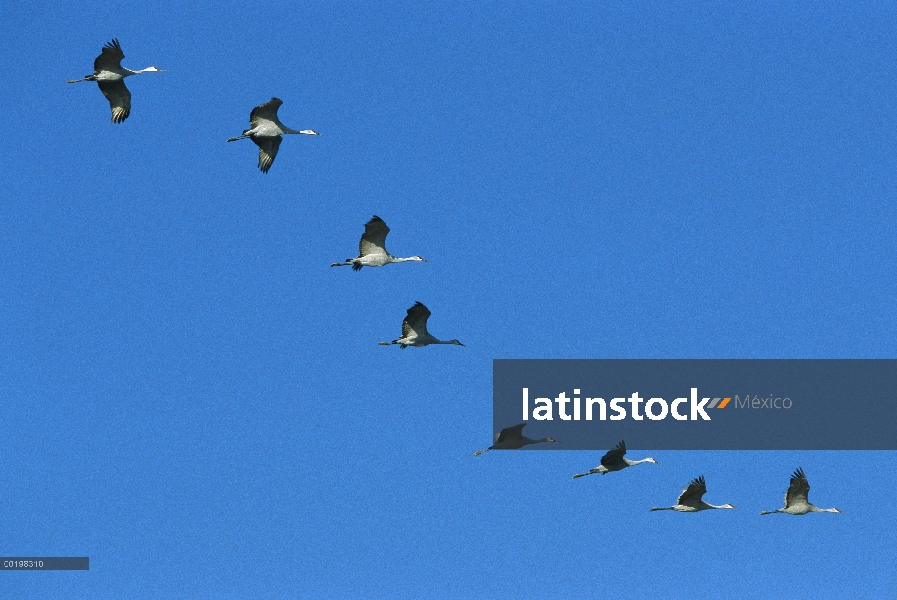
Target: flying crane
[266, 131]
[614, 461]
[414, 329]
[372, 248]
[512, 438]
[110, 76]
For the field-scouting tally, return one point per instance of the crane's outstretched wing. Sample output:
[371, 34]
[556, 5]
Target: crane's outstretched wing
[265, 112]
[615, 456]
[692, 495]
[798, 490]
[110, 59]
[415, 324]
[373, 240]
[268, 147]
[119, 98]
[510, 433]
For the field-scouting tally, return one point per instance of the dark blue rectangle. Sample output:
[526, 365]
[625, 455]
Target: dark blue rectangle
[45, 563]
[774, 404]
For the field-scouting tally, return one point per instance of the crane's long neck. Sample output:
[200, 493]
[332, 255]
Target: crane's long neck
[720, 506]
[129, 72]
[525, 441]
[817, 509]
[664, 508]
[478, 452]
[304, 131]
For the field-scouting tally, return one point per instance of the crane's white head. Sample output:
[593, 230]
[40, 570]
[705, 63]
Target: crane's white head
[728, 506]
[309, 132]
[651, 460]
[550, 440]
[152, 70]
[418, 258]
[458, 343]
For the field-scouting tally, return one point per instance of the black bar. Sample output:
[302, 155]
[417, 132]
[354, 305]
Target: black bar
[45, 563]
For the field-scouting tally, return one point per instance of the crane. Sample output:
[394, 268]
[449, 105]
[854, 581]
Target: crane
[372, 248]
[690, 498]
[110, 76]
[266, 131]
[512, 438]
[614, 461]
[414, 329]
[796, 502]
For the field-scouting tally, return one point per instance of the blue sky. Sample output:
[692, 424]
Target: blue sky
[191, 397]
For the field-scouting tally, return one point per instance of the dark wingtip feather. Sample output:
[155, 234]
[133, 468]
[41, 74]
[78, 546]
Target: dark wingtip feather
[119, 115]
[356, 267]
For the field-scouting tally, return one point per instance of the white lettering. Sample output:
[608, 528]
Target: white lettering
[621, 412]
[634, 400]
[543, 413]
[562, 401]
[602, 412]
[663, 409]
[675, 411]
[526, 404]
[696, 408]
